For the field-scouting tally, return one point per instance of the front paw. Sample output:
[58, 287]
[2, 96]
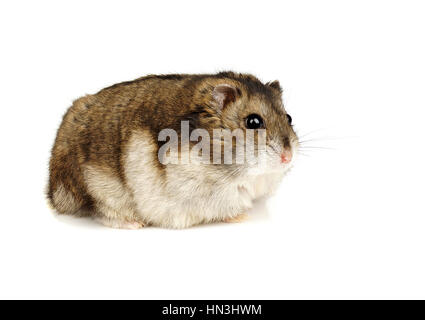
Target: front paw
[236, 219]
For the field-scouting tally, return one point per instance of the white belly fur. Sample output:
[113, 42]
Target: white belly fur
[184, 195]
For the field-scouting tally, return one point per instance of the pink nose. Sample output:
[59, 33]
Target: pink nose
[286, 156]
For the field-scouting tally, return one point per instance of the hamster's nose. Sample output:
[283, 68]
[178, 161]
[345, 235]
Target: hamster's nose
[286, 156]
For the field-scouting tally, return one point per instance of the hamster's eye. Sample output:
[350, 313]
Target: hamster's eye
[289, 118]
[254, 121]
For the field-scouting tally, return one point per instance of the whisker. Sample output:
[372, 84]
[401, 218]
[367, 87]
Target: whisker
[303, 154]
[322, 139]
[311, 132]
[316, 147]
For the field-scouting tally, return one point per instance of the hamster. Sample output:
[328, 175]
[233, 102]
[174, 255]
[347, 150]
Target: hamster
[105, 161]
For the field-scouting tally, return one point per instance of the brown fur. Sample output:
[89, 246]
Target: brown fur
[97, 128]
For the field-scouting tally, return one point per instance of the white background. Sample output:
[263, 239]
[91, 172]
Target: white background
[348, 222]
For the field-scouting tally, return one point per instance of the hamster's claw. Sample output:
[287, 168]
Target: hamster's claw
[236, 219]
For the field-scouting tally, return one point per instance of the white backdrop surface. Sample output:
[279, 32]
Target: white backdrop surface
[347, 222]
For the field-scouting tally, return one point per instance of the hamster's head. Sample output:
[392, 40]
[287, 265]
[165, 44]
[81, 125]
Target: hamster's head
[248, 108]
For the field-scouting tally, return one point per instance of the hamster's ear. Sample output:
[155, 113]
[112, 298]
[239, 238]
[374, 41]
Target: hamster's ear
[275, 85]
[224, 94]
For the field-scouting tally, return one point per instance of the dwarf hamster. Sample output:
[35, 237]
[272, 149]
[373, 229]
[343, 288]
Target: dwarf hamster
[106, 162]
